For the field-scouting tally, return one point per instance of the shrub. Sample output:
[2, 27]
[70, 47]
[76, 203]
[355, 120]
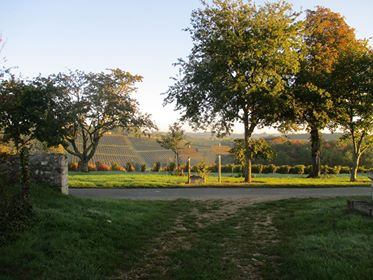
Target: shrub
[156, 167]
[363, 169]
[171, 167]
[117, 167]
[73, 166]
[130, 167]
[257, 168]
[138, 167]
[308, 169]
[297, 169]
[103, 167]
[91, 166]
[202, 170]
[270, 168]
[143, 167]
[344, 170]
[283, 169]
[335, 169]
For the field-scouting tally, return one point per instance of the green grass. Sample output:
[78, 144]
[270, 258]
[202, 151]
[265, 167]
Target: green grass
[72, 238]
[149, 180]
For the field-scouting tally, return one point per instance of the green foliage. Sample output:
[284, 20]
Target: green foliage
[240, 67]
[31, 110]
[143, 167]
[171, 167]
[283, 169]
[99, 102]
[257, 168]
[202, 170]
[259, 148]
[174, 140]
[297, 169]
[130, 167]
[117, 167]
[156, 167]
[270, 168]
[351, 87]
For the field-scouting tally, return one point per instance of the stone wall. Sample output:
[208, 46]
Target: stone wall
[44, 168]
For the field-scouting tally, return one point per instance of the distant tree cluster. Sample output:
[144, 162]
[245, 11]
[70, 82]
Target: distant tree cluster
[262, 66]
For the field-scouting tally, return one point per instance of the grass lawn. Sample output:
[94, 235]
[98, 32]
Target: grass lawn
[73, 238]
[149, 180]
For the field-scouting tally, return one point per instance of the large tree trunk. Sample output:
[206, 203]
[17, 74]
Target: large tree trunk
[315, 152]
[354, 169]
[25, 174]
[248, 131]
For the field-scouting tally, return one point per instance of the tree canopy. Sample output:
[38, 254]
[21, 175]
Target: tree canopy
[351, 88]
[29, 111]
[99, 102]
[326, 35]
[242, 61]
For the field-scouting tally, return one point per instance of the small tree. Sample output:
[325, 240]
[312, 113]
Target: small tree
[99, 103]
[174, 140]
[29, 111]
[351, 88]
[259, 148]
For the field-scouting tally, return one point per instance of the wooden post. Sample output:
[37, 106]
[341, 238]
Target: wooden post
[219, 167]
[188, 170]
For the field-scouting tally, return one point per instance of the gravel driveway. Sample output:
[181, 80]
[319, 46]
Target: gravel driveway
[259, 194]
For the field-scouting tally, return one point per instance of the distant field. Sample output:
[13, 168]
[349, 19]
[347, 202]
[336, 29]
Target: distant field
[149, 180]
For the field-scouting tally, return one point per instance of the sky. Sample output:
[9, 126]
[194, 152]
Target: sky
[143, 37]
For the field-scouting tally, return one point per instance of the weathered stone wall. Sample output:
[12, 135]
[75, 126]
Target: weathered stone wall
[45, 168]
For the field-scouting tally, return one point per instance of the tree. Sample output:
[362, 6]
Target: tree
[174, 140]
[99, 102]
[326, 36]
[29, 111]
[259, 148]
[351, 88]
[243, 60]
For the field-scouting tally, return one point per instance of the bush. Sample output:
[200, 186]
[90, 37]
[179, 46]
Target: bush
[143, 167]
[297, 169]
[91, 166]
[308, 169]
[130, 167]
[171, 167]
[202, 170]
[117, 167]
[335, 169]
[156, 167]
[73, 166]
[344, 170]
[363, 169]
[257, 168]
[283, 169]
[103, 167]
[270, 168]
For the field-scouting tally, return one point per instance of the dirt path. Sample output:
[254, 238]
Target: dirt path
[185, 233]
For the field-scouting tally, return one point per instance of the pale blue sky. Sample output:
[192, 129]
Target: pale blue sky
[141, 36]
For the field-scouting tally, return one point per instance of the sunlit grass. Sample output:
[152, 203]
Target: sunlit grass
[148, 180]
